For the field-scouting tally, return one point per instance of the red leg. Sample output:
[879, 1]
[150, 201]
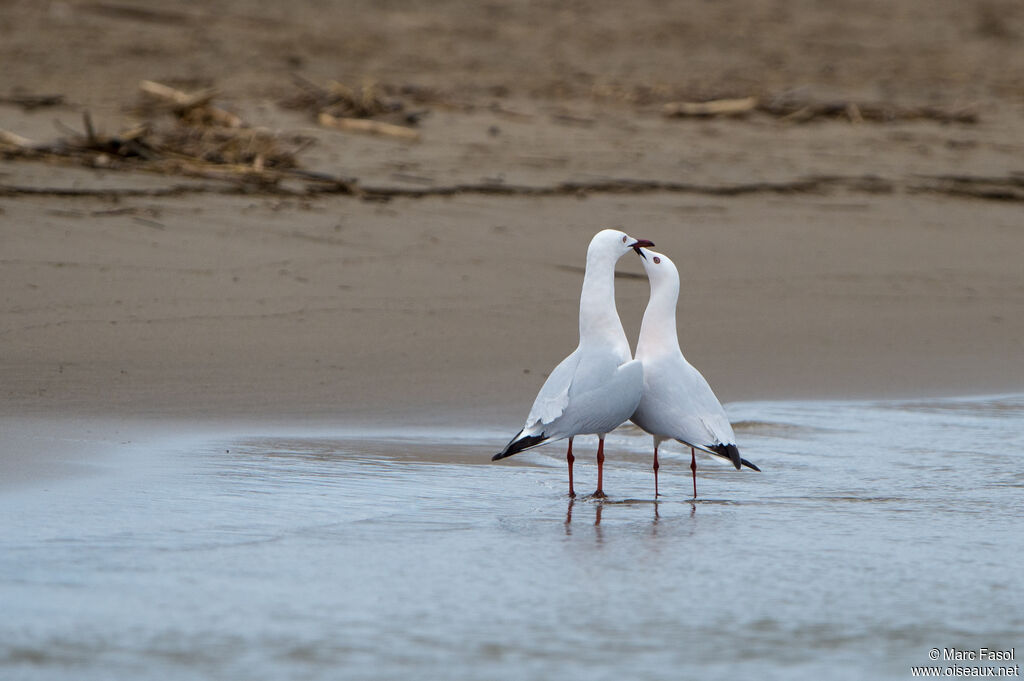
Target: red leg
[656, 470]
[600, 468]
[693, 469]
[569, 458]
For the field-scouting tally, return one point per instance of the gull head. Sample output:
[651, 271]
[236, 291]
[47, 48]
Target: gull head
[659, 267]
[616, 243]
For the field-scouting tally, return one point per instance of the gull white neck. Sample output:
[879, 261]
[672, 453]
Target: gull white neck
[658, 330]
[599, 320]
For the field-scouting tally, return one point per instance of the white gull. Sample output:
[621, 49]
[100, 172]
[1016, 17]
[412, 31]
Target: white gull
[677, 402]
[598, 386]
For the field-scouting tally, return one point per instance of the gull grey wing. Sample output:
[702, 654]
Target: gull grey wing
[608, 402]
[679, 403]
[553, 397]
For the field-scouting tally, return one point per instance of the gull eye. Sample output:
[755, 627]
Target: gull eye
[657, 260]
[624, 238]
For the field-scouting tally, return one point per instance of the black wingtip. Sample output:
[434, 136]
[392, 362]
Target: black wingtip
[518, 444]
[750, 465]
[730, 452]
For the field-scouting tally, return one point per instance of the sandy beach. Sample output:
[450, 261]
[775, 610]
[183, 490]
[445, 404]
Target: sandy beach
[880, 279]
[447, 308]
[855, 233]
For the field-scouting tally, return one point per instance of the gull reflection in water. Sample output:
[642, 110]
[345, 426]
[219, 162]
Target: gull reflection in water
[599, 510]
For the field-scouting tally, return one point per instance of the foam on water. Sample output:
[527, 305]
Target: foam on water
[877, 531]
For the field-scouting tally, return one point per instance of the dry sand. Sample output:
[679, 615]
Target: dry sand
[887, 281]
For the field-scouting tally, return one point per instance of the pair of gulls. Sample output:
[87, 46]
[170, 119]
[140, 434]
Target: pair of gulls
[600, 385]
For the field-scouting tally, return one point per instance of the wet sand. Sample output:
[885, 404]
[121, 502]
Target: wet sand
[454, 310]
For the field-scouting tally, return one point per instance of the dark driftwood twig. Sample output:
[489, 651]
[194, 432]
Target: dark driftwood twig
[32, 101]
[799, 110]
[1010, 188]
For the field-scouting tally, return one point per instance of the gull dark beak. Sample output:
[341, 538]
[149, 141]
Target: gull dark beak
[641, 242]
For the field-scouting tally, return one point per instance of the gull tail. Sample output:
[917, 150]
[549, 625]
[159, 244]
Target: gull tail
[732, 453]
[728, 452]
[519, 443]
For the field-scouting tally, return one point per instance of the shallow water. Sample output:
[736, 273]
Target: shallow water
[876, 531]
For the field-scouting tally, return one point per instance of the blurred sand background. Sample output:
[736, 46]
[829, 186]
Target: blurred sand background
[820, 259]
